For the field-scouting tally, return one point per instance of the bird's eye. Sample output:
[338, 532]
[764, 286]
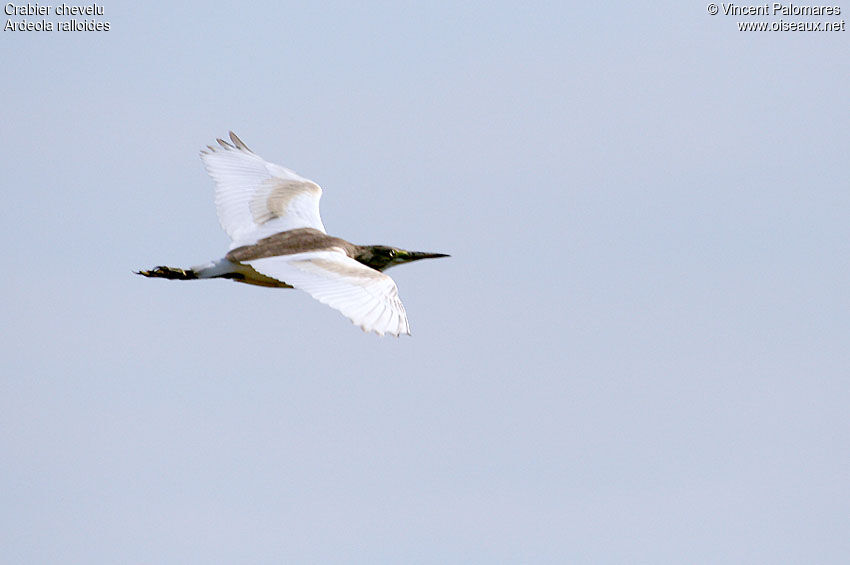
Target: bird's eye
[392, 253]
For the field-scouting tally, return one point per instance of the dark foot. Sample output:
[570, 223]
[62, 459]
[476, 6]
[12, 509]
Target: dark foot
[169, 273]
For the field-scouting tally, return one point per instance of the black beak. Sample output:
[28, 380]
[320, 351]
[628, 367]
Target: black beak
[417, 255]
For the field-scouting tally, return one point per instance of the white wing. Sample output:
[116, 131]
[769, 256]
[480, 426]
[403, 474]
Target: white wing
[365, 296]
[256, 199]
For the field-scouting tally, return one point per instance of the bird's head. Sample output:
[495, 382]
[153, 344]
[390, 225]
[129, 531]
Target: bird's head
[382, 257]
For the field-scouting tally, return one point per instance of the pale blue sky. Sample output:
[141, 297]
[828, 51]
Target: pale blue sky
[638, 351]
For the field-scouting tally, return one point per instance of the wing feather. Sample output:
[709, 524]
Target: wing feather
[254, 198]
[365, 296]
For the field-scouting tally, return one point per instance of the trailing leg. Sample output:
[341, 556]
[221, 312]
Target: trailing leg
[170, 273]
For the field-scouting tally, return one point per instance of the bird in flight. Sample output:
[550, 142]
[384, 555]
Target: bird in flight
[272, 216]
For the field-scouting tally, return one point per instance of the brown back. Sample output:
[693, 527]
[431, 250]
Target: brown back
[289, 243]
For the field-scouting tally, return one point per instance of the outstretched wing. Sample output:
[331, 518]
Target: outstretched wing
[255, 198]
[365, 296]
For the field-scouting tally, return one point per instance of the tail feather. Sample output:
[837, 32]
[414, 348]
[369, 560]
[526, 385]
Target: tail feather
[170, 273]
